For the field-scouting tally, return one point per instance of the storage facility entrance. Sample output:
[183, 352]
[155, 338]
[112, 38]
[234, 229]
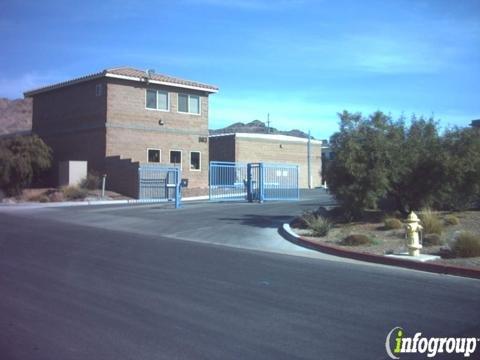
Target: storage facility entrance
[157, 183]
[253, 182]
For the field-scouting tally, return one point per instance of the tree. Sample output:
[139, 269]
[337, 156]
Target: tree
[359, 173]
[22, 158]
[413, 166]
[462, 169]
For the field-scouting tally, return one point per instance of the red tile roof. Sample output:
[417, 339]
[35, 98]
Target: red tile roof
[130, 74]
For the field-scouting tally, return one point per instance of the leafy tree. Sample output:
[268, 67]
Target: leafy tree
[461, 188]
[377, 158]
[359, 173]
[22, 158]
[419, 166]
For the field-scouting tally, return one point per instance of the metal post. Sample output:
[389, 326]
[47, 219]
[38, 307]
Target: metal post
[177, 189]
[210, 181]
[249, 183]
[103, 185]
[298, 185]
[261, 182]
[308, 161]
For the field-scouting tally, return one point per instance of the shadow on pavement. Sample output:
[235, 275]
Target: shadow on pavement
[262, 221]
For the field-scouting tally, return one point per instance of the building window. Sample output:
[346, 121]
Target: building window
[156, 100]
[189, 103]
[195, 160]
[153, 155]
[176, 157]
[99, 90]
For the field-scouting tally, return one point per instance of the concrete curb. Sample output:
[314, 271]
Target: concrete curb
[287, 232]
[93, 202]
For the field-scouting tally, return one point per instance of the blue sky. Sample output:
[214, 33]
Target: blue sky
[302, 61]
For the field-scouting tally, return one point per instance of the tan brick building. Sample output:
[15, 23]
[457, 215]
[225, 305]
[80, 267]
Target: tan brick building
[119, 118]
[270, 148]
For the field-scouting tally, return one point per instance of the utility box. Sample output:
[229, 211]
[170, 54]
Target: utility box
[71, 172]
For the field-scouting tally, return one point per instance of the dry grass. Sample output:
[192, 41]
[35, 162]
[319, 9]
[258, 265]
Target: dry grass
[356, 240]
[451, 220]
[74, 193]
[466, 245]
[392, 224]
[431, 222]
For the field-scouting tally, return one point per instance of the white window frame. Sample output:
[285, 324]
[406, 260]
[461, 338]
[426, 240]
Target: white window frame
[188, 104]
[158, 91]
[159, 156]
[181, 157]
[199, 160]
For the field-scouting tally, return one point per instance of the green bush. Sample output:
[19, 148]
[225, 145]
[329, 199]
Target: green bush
[392, 223]
[431, 222]
[404, 164]
[451, 220]
[356, 240]
[74, 193]
[22, 158]
[319, 225]
[466, 245]
[432, 240]
[91, 182]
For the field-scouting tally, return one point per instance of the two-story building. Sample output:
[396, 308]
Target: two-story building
[122, 117]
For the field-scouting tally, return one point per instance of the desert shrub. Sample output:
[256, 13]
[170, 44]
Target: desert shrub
[356, 240]
[466, 245]
[91, 182]
[319, 225]
[432, 240]
[301, 222]
[22, 158]
[451, 220]
[392, 223]
[42, 197]
[431, 222]
[74, 193]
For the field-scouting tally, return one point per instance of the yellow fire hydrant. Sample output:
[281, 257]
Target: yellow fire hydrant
[413, 228]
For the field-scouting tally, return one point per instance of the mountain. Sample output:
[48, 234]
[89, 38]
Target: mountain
[257, 127]
[15, 115]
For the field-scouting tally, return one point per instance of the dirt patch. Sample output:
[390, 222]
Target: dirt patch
[45, 195]
[393, 241]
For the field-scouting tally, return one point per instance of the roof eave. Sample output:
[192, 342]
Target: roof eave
[36, 91]
[105, 73]
[167, 83]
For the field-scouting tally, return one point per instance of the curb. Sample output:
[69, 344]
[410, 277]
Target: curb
[287, 232]
[94, 202]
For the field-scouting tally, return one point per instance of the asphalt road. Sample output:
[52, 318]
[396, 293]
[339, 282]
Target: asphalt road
[121, 283]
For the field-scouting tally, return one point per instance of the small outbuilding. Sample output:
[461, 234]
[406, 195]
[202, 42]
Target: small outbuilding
[271, 148]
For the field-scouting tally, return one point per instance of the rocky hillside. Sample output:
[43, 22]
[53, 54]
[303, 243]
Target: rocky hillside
[15, 115]
[257, 127]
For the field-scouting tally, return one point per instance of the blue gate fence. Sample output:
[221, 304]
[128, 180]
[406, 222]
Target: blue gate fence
[159, 183]
[253, 182]
[227, 181]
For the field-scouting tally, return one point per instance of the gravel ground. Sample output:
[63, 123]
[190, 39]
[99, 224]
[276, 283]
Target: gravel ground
[393, 241]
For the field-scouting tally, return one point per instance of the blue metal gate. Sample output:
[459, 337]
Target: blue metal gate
[227, 181]
[159, 183]
[253, 181]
